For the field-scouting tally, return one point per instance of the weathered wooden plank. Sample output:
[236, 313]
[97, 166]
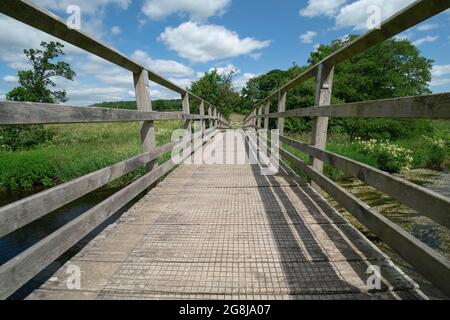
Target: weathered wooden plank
[266, 111]
[324, 88]
[43, 113]
[16, 272]
[281, 107]
[144, 104]
[43, 20]
[426, 202]
[201, 110]
[18, 214]
[410, 16]
[26, 265]
[424, 259]
[434, 106]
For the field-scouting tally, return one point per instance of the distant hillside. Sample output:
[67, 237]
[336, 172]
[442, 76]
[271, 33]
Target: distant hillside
[157, 105]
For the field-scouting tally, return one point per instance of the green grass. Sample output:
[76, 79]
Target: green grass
[425, 153]
[76, 150]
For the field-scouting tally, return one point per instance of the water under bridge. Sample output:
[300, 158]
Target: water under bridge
[227, 230]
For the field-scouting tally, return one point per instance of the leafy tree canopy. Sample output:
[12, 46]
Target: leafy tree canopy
[394, 68]
[36, 84]
[217, 89]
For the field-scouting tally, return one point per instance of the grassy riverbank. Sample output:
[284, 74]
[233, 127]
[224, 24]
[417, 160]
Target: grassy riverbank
[73, 151]
[395, 156]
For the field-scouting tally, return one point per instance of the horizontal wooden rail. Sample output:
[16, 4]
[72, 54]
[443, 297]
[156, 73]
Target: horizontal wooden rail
[428, 262]
[425, 201]
[19, 270]
[20, 213]
[414, 14]
[435, 106]
[43, 20]
[43, 113]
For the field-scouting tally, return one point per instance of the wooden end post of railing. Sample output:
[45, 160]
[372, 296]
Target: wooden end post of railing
[258, 112]
[266, 112]
[210, 114]
[281, 108]
[186, 111]
[215, 117]
[144, 103]
[324, 88]
[202, 113]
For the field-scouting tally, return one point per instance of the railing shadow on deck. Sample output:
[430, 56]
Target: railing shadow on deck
[299, 248]
[432, 265]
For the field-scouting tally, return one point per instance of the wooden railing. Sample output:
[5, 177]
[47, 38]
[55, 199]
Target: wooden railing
[16, 272]
[431, 264]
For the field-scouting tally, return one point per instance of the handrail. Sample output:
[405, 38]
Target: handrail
[19, 270]
[427, 202]
[432, 265]
[41, 19]
[410, 16]
[434, 106]
[428, 262]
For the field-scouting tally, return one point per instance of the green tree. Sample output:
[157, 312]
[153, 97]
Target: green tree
[36, 85]
[394, 68]
[217, 89]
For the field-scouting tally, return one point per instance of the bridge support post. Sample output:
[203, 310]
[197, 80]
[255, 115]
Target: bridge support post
[187, 111]
[259, 112]
[281, 108]
[210, 114]
[144, 103]
[266, 112]
[215, 117]
[320, 125]
[202, 113]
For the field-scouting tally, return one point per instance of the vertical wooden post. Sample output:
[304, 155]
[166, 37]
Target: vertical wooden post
[202, 113]
[144, 103]
[210, 114]
[281, 108]
[266, 111]
[259, 112]
[215, 117]
[186, 110]
[323, 98]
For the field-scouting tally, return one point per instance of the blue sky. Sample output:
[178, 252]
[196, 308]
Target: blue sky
[182, 39]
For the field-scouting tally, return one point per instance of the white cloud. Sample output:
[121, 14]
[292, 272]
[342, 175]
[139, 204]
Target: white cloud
[18, 36]
[440, 70]
[308, 37]
[437, 72]
[427, 26]
[352, 14]
[440, 82]
[208, 42]
[196, 9]
[92, 12]
[168, 68]
[241, 81]
[321, 7]
[90, 7]
[226, 70]
[105, 71]
[428, 38]
[355, 14]
[116, 30]
[10, 79]
[87, 94]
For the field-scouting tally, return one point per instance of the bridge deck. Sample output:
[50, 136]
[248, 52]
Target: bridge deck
[226, 231]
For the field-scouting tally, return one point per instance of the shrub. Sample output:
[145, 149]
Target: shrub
[17, 137]
[390, 157]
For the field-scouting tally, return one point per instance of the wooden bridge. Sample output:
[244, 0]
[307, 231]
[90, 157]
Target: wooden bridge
[227, 231]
